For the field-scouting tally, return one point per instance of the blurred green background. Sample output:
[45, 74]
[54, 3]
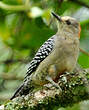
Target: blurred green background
[24, 26]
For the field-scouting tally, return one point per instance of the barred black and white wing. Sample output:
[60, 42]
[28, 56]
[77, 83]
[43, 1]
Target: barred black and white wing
[42, 53]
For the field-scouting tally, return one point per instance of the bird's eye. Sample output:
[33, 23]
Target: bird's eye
[68, 22]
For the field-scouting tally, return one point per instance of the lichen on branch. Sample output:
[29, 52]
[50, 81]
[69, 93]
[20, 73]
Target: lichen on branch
[74, 89]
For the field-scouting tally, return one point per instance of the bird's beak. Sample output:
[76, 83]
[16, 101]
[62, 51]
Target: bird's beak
[57, 17]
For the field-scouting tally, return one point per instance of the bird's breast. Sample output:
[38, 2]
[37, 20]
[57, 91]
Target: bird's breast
[67, 55]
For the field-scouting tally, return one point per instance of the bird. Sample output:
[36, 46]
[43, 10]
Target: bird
[57, 55]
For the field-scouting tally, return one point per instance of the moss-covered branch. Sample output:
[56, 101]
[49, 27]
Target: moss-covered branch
[74, 87]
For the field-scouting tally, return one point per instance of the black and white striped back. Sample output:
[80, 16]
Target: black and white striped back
[42, 53]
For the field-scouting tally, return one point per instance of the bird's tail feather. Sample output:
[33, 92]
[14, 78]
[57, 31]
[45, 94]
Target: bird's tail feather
[22, 90]
[17, 93]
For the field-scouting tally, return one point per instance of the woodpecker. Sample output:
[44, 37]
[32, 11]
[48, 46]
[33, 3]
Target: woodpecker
[56, 56]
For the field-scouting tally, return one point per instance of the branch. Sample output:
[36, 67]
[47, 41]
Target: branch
[14, 7]
[80, 3]
[11, 77]
[75, 88]
[84, 52]
[10, 61]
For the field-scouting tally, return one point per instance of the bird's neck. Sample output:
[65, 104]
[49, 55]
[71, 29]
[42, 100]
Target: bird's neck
[67, 33]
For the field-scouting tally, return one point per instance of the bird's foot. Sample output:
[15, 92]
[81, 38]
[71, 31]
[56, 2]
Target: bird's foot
[53, 83]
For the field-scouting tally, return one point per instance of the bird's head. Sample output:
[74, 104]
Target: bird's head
[68, 24]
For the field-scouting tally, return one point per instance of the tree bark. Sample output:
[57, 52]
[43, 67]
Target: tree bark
[75, 88]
